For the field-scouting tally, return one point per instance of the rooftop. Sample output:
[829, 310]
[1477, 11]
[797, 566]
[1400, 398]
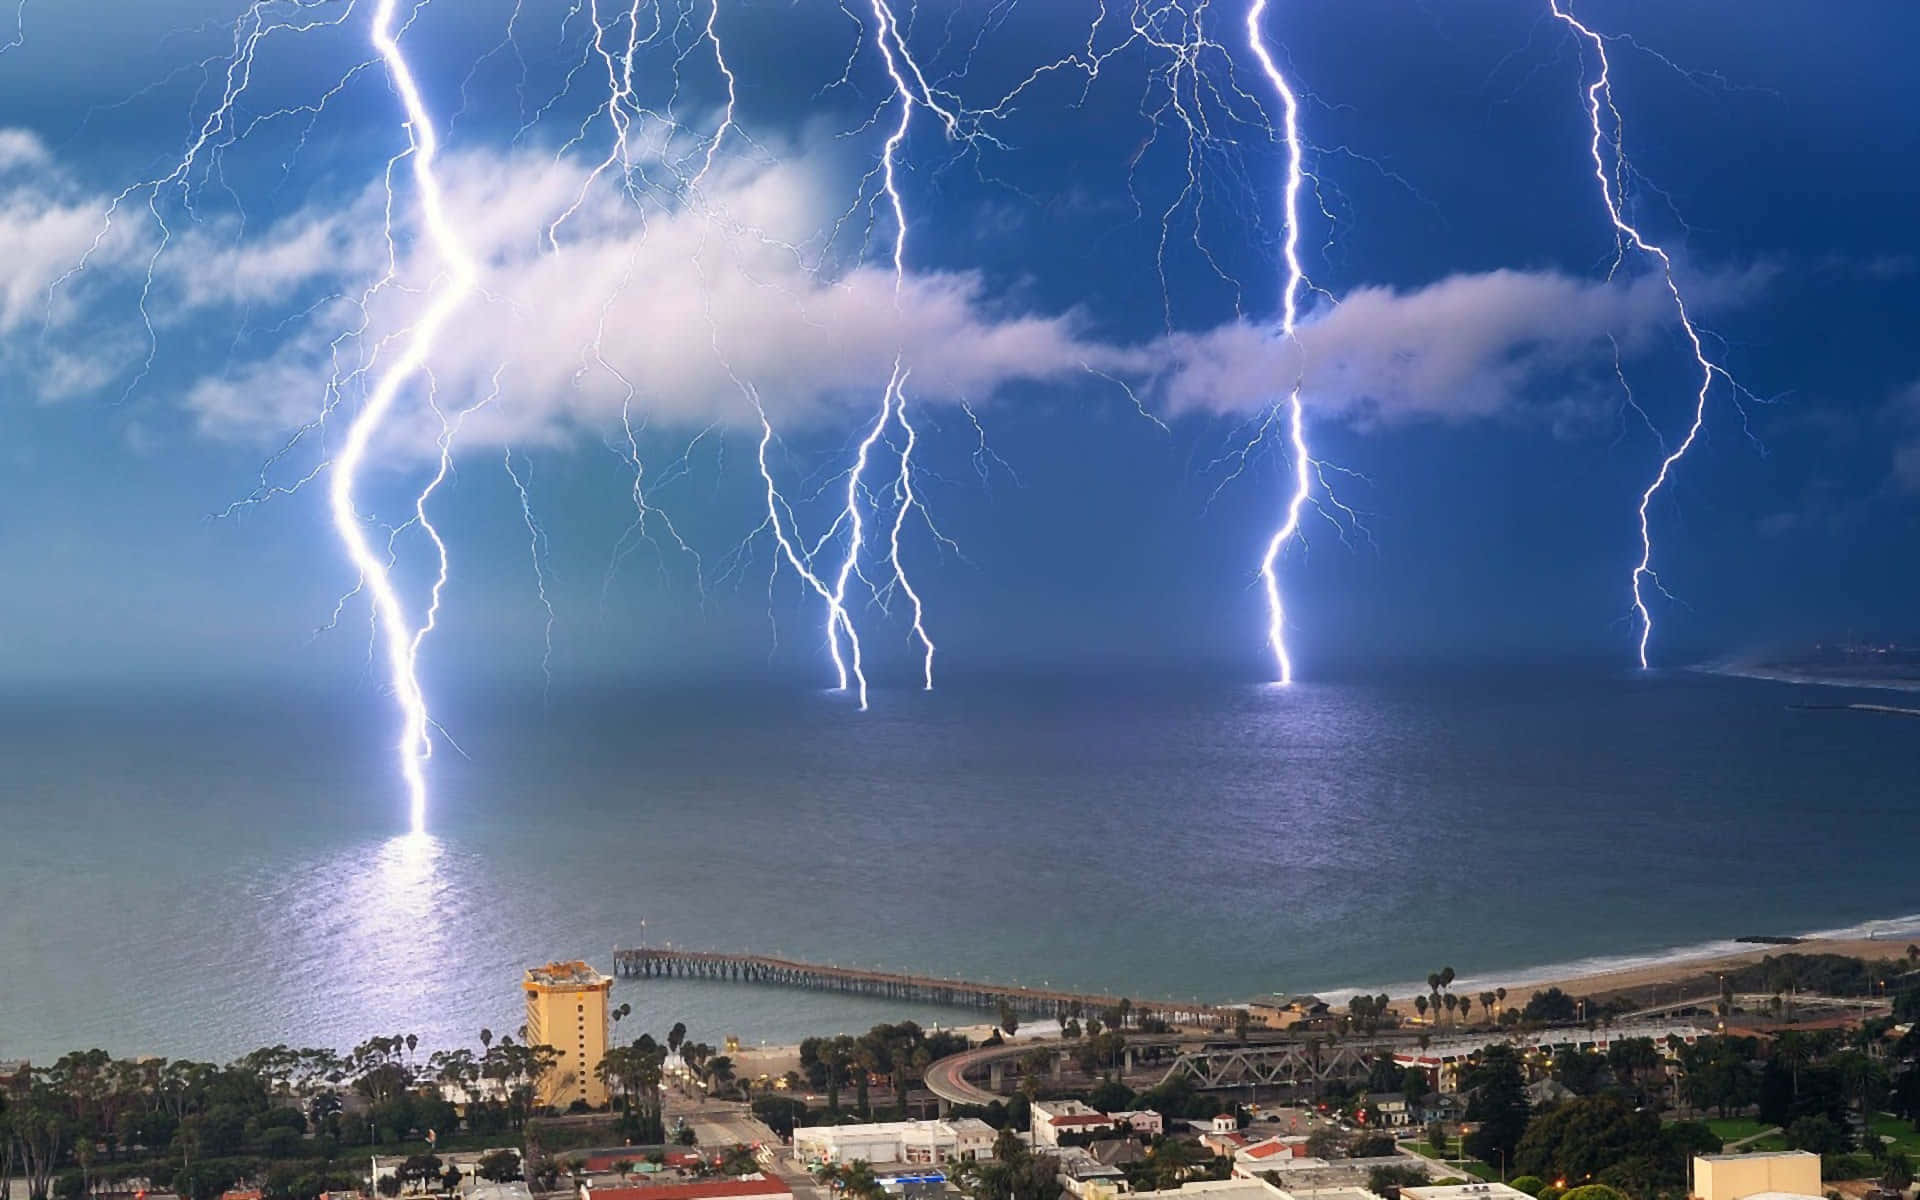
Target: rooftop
[711, 1189]
[966, 1126]
[566, 974]
[1756, 1155]
[1463, 1191]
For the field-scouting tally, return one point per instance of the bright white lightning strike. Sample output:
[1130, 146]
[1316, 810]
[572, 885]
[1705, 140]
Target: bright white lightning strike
[402, 643]
[1289, 319]
[1600, 92]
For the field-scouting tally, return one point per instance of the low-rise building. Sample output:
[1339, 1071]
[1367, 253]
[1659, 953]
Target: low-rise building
[1143, 1120]
[961, 1139]
[1225, 1145]
[1265, 1154]
[745, 1187]
[1745, 1176]
[1395, 1112]
[513, 1190]
[1463, 1191]
[467, 1162]
[1053, 1118]
[1218, 1189]
[1084, 1176]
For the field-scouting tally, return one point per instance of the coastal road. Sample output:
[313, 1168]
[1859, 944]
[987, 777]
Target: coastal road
[947, 1078]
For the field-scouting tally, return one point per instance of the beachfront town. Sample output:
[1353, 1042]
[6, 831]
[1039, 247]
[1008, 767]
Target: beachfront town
[1790, 1075]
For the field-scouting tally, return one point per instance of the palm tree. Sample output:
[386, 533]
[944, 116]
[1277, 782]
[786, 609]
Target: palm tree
[1420, 1006]
[856, 1180]
[1452, 1002]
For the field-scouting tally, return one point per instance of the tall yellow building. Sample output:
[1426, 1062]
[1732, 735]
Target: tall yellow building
[567, 1009]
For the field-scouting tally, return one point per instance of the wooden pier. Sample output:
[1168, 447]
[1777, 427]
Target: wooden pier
[654, 963]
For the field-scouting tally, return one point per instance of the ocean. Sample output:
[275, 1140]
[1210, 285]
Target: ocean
[195, 875]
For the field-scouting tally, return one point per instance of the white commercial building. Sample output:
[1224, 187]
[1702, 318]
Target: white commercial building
[963, 1139]
[1052, 1118]
[1463, 1191]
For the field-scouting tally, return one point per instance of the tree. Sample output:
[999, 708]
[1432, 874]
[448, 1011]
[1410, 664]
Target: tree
[1606, 1138]
[389, 1186]
[1326, 1142]
[498, 1166]
[1009, 1020]
[1530, 1184]
[1592, 1191]
[1420, 1006]
[1111, 1096]
[1499, 1105]
[1388, 1180]
[1414, 1086]
[1896, 1171]
[1551, 1007]
[1172, 1161]
[1818, 1134]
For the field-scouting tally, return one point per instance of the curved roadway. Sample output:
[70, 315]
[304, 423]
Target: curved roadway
[947, 1078]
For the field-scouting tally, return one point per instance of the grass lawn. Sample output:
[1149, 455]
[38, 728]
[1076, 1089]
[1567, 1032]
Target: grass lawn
[1771, 1142]
[1468, 1166]
[1732, 1129]
[1902, 1132]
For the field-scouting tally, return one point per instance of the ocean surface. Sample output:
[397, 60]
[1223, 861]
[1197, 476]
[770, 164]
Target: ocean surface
[196, 875]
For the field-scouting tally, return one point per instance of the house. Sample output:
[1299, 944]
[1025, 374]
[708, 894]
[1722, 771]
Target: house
[1052, 1119]
[1547, 1091]
[1118, 1152]
[1224, 1145]
[1224, 1123]
[1395, 1112]
[1081, 1172]
[1142, 1121]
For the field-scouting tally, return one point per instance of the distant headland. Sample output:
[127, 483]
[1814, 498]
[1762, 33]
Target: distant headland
[1886, 665]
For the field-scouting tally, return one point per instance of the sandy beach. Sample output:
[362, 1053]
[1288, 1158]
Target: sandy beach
[1649, 983]
[1658, 982]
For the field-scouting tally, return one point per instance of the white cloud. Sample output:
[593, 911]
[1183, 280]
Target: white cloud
[664, 305]
[1466, 347]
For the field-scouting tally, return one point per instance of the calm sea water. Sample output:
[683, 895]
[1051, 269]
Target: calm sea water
[200, 875]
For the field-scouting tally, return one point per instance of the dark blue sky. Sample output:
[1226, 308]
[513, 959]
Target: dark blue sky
[1449, 141]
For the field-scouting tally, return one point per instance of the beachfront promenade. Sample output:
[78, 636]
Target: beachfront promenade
[661, 963]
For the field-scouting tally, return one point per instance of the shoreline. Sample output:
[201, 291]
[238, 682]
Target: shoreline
[1672, 970]
[1677, 974]
[1786, 675]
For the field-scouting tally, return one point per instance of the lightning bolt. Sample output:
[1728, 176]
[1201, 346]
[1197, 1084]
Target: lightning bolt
[1600, 112]
[1294, 416]
[401, 641]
